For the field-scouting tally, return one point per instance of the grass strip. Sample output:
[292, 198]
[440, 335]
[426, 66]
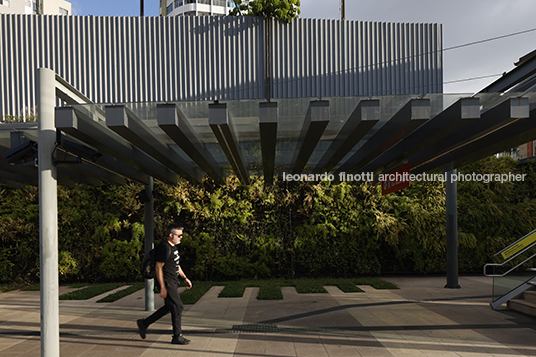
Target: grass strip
[199, 288]
[4, 288]
[122, 293]
[346, 285]
[270, 292]
[310, 286]
[268, 289]
[376, 283]
[233, 289]
[90, 291]
[78, 285]
[33, 287]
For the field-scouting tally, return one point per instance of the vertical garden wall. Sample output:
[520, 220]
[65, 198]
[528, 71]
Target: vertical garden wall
[288, 229]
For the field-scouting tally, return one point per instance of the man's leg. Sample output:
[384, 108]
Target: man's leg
[176, 307]
[143, 324]
[174, 303]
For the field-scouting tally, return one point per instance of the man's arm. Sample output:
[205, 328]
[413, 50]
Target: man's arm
[159, 269]
[186, 280]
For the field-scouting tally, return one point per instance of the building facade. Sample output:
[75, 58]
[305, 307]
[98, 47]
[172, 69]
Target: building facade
[184, 58]
[35, 7]
[196, 7]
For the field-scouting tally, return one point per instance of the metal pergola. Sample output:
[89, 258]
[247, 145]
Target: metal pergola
[84, 142]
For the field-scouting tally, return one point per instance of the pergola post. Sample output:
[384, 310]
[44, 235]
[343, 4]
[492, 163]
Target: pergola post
[48, 214]
[452, 226]
[149, 242]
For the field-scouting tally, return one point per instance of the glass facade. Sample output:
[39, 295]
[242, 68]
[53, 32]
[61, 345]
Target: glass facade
[200, 7]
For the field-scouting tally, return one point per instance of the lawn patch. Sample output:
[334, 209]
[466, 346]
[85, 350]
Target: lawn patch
[233, 289]
[310, 286]
[376, 283]
[122, 293]
[346, 285]
[199, 288]
[270, 292]
[90, 291]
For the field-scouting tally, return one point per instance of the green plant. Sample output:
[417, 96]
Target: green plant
[279, 9]
[192, 295]
[233, 289]
[376, 283]
[270, 292]
[67, 266]
[90, 291]
[122, 293]
[121, 259]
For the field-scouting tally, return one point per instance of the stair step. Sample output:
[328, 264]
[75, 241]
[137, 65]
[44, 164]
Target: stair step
[530, 296]
[523, 306]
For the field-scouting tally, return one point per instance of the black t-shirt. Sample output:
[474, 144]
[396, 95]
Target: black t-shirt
[169, 255]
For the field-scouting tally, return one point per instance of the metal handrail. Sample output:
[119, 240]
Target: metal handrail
[509, 259]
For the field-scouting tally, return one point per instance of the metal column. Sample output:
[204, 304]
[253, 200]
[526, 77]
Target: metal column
[149, 242]
[48, 215]
[452, 227]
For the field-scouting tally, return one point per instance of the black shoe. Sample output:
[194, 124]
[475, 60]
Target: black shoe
[141, 328]
[180, 340]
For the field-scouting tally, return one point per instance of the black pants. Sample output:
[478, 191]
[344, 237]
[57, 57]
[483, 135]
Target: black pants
[173, 304]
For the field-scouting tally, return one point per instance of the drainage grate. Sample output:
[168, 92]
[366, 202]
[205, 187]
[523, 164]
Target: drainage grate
[521, 318]
[255, 328]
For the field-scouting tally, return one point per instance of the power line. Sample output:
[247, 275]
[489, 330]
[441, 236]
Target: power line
[373, 65]
[473, 78]
[489, 39]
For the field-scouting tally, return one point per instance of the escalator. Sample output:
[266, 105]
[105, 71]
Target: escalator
[511, 278]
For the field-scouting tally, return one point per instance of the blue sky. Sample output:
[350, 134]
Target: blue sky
[464, 21]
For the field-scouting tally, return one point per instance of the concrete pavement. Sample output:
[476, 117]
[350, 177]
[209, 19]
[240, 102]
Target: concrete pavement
[422, 318]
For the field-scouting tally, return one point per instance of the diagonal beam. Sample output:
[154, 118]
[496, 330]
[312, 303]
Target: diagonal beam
[22, 174]
[494, 119]
[451, 120]
[412, 115]
[363, 118]
[89, 169]
[171, 120]
[12, 183]
[79, 125]
[520, 129]
[220, 123]
[77, 175]
[268, 117]
[316, 121]
[125, 123]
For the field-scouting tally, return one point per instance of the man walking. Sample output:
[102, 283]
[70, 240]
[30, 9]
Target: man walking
[168, 272]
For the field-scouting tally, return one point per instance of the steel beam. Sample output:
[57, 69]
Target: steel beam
[363, 118]
[125, 123]
[268, 118]
[451, 200]
[171, 120]
[11, 183]
[494, 126]
[447, 122]
[221, 125]
[80, 126]
[316, 121]
[412, 115]
[148, 208]
[512, 78]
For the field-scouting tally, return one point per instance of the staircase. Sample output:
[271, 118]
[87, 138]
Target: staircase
[508, 288]
[527, 305]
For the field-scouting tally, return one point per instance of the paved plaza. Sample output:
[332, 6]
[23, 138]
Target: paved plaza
[422, 318]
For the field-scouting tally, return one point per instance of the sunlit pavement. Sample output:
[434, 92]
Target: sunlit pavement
[422, 318]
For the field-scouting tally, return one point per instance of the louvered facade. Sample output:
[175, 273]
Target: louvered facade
[147, 59]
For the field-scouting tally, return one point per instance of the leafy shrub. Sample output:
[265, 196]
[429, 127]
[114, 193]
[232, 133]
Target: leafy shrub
[297, 229]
